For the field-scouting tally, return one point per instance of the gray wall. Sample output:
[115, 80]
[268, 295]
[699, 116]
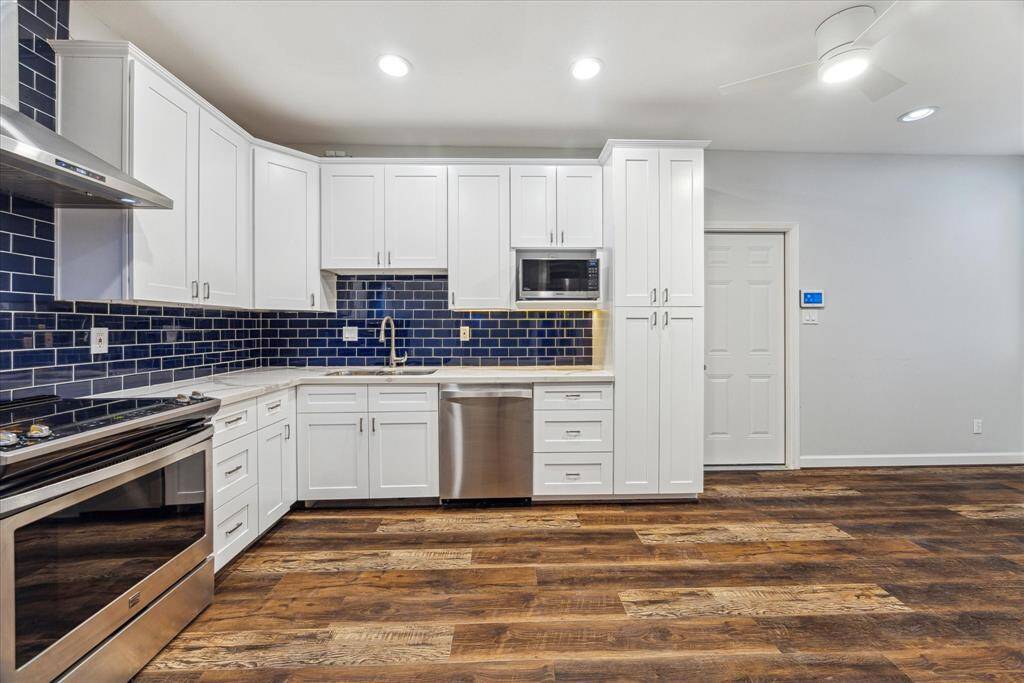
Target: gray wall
[922, 260]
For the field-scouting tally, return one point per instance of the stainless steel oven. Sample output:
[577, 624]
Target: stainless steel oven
[558, 275]
[101, 568]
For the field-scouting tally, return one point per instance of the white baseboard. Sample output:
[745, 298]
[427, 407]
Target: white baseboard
[911, 459]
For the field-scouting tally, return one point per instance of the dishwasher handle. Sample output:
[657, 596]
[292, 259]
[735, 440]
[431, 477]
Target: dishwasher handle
[486, 393]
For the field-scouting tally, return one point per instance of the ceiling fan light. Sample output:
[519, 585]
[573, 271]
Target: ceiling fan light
[844, 67]
[917, 114]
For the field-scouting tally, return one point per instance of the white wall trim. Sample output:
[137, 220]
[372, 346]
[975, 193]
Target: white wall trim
[911, 459]
[791, 239]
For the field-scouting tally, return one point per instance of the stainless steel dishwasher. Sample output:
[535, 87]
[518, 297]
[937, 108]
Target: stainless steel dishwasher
[486, 441]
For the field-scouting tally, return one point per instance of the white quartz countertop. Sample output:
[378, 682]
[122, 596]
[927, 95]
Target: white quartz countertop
[237, 386]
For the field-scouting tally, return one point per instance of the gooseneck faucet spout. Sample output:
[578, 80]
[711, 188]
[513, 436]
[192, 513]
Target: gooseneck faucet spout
[394, 360]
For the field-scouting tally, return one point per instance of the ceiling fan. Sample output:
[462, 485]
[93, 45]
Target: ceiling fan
[844, 41]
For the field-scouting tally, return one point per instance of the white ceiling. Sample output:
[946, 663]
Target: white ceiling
[497, 73]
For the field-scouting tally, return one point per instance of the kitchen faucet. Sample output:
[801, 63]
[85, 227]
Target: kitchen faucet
[393, 359]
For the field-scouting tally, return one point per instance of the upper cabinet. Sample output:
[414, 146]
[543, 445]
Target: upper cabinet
[556, 206]
[479, 252]
[384, 216]
[658, 219]
[286, 193]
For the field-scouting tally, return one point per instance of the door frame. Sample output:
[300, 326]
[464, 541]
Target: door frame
[791, 276]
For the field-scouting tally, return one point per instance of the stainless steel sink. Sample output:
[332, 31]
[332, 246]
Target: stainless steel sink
[382, 372]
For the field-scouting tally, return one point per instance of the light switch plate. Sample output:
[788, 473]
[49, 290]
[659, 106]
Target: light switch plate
[99, 340]
[809, 316]
[350, 333]
[464, 333]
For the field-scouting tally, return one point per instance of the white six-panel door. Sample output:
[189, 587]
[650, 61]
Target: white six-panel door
[637, 397]
[332, 456]
[403, 455]
[682, 435]
[479, 240]
[415, 217]
[352, 205]
[225, 226]
[745, 350]
[165, 156]
[533, 205]
[636, 219]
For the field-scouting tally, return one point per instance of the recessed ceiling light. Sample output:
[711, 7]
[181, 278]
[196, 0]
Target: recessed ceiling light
[844, 67]
[393, 65]
[585, 68]
[917, 114]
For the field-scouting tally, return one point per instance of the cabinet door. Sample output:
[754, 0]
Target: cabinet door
[225, 226]
[637, 382]
[682, 400]
[165, 155]
[416, 217]
[579, 207]
[277, 473]
[352, 199]
[403, 455]
[287, 224]
[478, 225]
[533, 210]
[332, 456]
[682, 227]
[635, 190]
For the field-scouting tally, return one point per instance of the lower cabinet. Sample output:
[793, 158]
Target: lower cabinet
[235, 526]
[572, 440]
[276, 450]
[368, 454]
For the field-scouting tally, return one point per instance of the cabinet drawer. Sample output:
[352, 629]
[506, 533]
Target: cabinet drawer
[343, 398]
[558, 474]
[274, 407]
[572, 397]
[411, 398]
[572, 431]
[235, 526]
[233, 421]
[234, 468]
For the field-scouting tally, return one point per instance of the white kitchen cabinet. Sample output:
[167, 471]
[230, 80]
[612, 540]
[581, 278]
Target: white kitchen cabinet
[658, 219]
[332, 456]
[579, 201]
[479, 241]
[277, 472]
[286, 194]
[352, 199]
[533, 218]
[415, 217]
[658, 403]
[235, 526]
[225, 220]
[377, 216]
[403, 455]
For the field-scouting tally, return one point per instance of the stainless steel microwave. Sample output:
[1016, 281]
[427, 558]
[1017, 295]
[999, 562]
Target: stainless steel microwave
[559, 275]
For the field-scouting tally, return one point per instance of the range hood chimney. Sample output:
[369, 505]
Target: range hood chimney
[38, 164]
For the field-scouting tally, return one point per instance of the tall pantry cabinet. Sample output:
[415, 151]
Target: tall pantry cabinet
[654, 197]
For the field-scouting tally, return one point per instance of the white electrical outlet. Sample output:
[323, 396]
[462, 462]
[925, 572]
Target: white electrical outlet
[99, 340]
[977, 425]
[464, 333]
[350, 333]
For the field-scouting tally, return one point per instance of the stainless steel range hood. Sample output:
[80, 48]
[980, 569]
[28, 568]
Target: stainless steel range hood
[41, 165]
[38, 164]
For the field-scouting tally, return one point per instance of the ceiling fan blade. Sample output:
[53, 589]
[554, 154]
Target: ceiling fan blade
[876, 83]
[884, 24]
[791, 75]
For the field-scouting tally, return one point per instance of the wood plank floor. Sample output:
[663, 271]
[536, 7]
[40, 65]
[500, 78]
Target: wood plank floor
[858, 574]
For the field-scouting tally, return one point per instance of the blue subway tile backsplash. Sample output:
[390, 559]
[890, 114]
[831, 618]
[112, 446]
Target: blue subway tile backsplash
[44, 344]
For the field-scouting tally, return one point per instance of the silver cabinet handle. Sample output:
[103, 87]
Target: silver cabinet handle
[312, 300]
[654, 320]
[563, 237]
[287, 432]
[665, 300]
[389, 257]
[654, 295]
[666, 318]
[195, 289]
[551, 238]
[360, 425]
[206, 290]
[234, 528]
[274, 406]
[572, 475]
[378, 258]
[572, 432]
[572, 397]
[232, 470]
[486, 393]
[373, 424]
[453, 298]
[234, 420]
